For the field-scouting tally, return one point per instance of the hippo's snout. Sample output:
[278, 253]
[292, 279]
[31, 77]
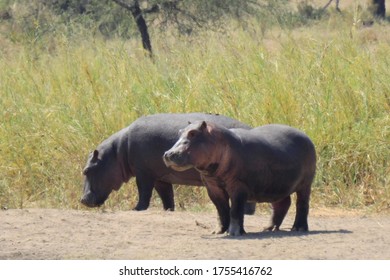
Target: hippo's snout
[90, 199]
[175, 160]
[170, 157]
[85, 202]
[89, 203]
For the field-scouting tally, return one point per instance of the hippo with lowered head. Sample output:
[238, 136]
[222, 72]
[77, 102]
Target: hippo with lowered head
[136, 151]
[264, 164]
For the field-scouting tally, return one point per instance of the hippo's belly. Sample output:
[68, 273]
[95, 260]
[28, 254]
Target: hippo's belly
[189, 177]
[273, 185]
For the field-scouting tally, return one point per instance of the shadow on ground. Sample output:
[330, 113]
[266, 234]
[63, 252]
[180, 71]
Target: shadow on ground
[278, 234]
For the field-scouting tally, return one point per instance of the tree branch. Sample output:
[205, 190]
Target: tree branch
[125, 5]
[337, 5]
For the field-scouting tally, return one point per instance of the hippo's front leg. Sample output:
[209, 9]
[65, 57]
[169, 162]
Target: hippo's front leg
[221, 201]
[237, 210]
[145, 185]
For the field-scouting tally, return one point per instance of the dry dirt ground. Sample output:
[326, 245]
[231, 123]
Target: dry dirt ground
[154, 234]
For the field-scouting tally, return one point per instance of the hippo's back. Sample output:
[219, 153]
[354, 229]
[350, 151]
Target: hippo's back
[278, 147]
[164, 128]
[275, 140]
[174, 121]
[150, 136]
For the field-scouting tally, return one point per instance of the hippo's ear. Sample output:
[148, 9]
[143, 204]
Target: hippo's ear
[203, 125]
[95, 154]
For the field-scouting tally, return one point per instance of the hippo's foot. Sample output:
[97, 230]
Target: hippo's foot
[300, 225]
[294, 228]
[272, 228]
[235, 232]
[221, 227]
[218, 230]
[235, 229]
[139, 208]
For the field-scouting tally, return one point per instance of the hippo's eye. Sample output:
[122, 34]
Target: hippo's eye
[86, 170]
[191, 134]
[89, 168]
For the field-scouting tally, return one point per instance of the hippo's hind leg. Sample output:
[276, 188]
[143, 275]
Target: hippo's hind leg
[300, 223]
[145, 185]
[280, 209]
[165, 191]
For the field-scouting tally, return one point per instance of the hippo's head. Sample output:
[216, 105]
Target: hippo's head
[102, 175]
[194, 149]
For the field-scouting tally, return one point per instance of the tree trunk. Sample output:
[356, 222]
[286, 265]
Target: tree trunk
[142, 27]
[140, 21]
[379, 9]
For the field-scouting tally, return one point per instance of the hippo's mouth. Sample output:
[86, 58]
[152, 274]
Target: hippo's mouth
[180, 168]
[90, 203]
[177, 161]
[91, 200]
[176, 166]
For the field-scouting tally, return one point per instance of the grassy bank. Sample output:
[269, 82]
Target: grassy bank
[62, 98]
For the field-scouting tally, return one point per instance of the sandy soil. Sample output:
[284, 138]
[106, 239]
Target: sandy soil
[154, 234]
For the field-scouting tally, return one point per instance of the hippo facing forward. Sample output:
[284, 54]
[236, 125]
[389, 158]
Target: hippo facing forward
[264, 164]
[136, 151]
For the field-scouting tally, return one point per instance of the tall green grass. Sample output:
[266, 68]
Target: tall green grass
[58, 103]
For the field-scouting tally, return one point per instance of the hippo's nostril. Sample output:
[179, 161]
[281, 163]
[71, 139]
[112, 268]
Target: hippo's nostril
[169, 155]
[166, 155]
